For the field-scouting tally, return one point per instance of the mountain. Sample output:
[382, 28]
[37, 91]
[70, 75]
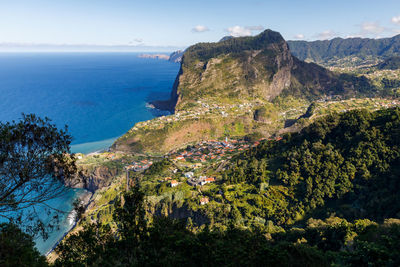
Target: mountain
[392, 63]
[238, 88]
[338, 48]
[226, 38]
[260, 67]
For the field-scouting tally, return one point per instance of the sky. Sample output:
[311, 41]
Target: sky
[167, 25]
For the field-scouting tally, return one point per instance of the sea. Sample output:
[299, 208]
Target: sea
[99, 96]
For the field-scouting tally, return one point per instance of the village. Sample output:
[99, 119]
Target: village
[189, 164]
[201, 108]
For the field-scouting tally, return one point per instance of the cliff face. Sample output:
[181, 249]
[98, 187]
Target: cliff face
[176, 56]
[260, 67]
[93, 178]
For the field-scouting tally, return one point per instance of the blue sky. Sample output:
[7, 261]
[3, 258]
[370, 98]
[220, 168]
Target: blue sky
[182, 23]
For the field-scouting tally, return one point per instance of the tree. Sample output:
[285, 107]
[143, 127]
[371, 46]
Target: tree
[34, 163]
[17, 248]
[98, 245]
[91, 246]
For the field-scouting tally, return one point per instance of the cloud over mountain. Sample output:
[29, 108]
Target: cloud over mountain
[240, 31]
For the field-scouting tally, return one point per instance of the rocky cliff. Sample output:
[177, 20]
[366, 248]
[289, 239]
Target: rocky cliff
[220, 87]
[94, 178]
[176, 56]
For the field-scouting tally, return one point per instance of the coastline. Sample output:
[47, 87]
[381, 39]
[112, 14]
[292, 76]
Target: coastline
[85, 199]
[158, 108]
[93, 147]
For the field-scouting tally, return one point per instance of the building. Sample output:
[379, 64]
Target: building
[210, 180]
[204, 200]
[204, 180]
[174, 183]
[189, 175]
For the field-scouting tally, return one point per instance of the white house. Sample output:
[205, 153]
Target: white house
[189, 175]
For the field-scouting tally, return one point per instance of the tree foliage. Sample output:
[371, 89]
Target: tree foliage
[323, 51]
[17, 248]
[351, 158]
[34, 163]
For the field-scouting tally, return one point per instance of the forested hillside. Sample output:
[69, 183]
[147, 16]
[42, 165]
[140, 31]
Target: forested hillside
[328, 51]
[392, 63]
[347, 164]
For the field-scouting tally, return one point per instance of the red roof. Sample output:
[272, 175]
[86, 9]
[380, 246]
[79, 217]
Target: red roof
[204, 200]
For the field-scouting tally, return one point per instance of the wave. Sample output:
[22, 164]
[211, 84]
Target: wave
[71, 218]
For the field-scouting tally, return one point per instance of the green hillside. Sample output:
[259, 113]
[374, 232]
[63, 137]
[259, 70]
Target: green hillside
[392, 63]
[348, 51]
[325, 196]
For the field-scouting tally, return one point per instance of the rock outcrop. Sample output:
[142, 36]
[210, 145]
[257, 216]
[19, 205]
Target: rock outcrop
[176, 56]
[94, 178]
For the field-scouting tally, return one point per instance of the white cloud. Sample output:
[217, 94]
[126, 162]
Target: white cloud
[239, 31]
[371, 28]
[200, 28]
[138, 40]
[396, 20]
[353, 36]
[299, 36]
[325, 35]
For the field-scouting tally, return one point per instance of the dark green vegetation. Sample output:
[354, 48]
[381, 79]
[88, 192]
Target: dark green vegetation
[33, 166]
[347, 164]
[392, 63]
[170, 243]
[330, 51]
[235, 46]
[17, 248]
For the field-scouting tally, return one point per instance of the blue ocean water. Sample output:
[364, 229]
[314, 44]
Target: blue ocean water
[99, 96]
